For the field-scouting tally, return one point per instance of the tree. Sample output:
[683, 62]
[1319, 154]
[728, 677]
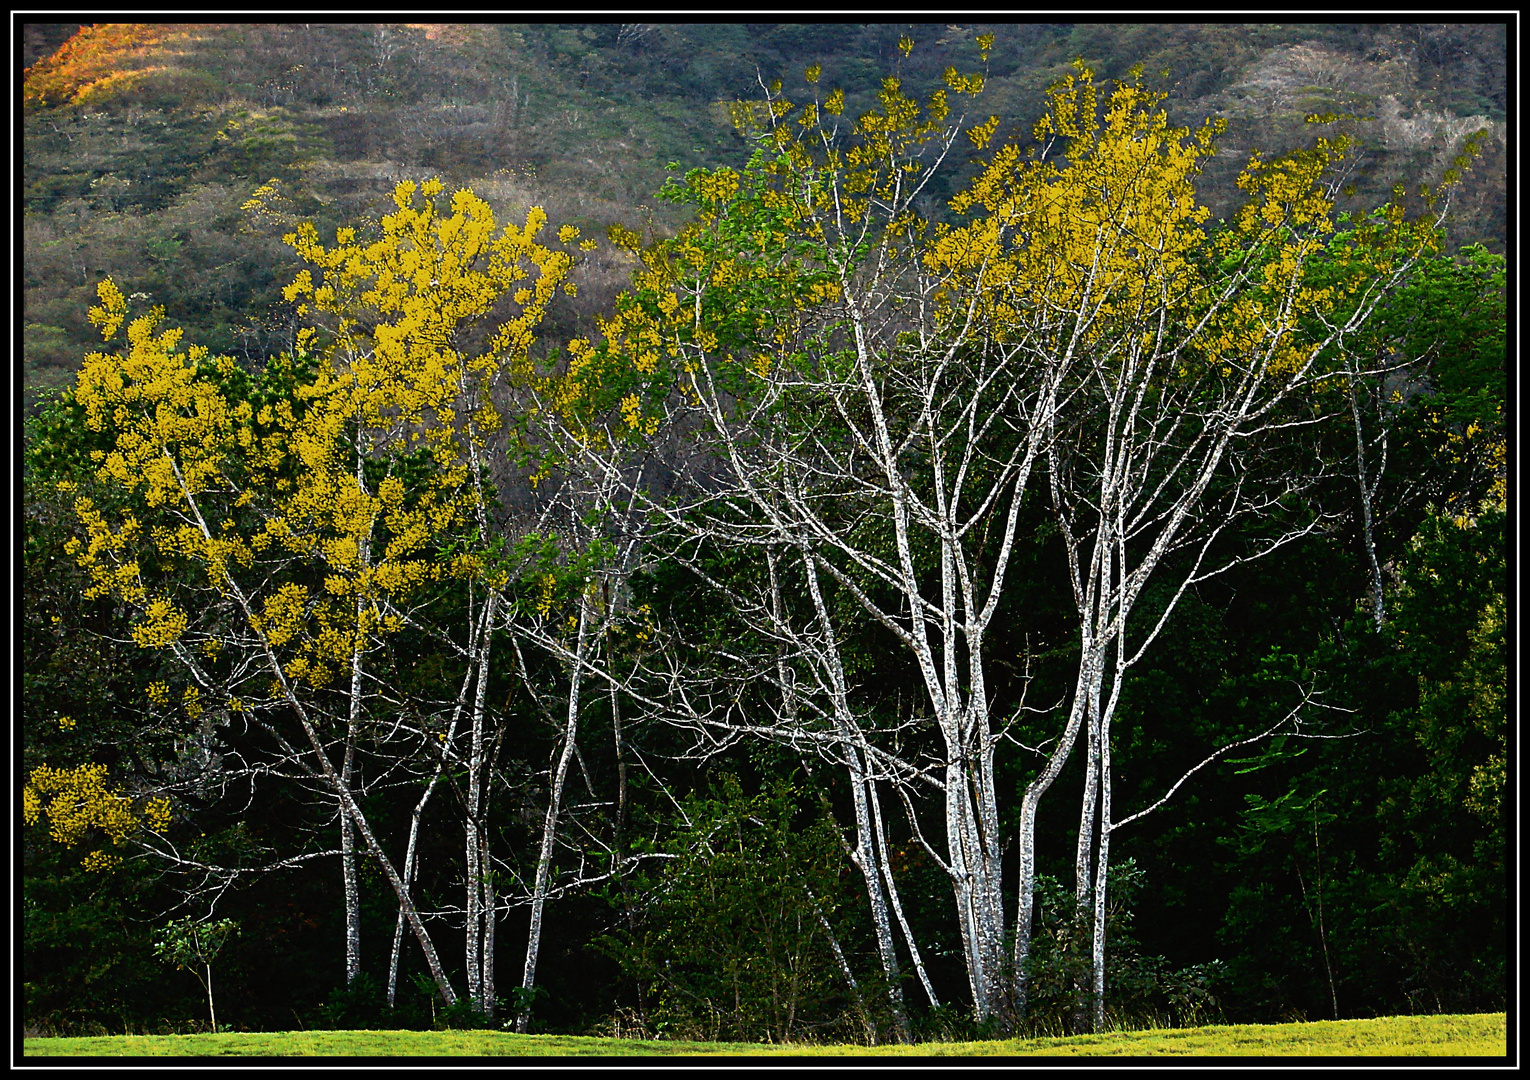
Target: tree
[296, 522]
[789, 493]
[182, 445]
[412, 301]
[188, 944]
[872, 393]
[571, 615]
[862, 422]
[1203, 359]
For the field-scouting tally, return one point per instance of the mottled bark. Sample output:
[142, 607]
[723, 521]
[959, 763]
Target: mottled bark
[550, 821]
[479, 913]
[866, 854]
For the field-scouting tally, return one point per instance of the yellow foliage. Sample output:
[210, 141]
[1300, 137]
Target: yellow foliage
[388, 315]
[78, 800]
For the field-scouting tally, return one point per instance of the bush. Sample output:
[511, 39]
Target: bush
[731, 942]
[1140, 991]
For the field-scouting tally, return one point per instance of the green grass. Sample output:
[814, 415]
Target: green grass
[1397, 1036]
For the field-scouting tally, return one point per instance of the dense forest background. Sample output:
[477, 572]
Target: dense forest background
[1355, 876]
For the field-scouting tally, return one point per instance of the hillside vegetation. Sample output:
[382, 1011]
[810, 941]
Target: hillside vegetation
[143, 143]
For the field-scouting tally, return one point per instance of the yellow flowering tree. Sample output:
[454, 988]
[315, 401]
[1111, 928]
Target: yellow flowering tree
[400, 313]
[286, 525]
[1201, 355]
[789, 332]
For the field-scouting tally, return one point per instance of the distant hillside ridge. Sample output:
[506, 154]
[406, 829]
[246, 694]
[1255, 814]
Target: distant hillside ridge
[144, 141]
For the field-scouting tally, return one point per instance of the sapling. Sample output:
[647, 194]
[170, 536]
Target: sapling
[189, 944]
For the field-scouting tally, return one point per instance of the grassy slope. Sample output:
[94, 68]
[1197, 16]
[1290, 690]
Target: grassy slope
[1482, 1035]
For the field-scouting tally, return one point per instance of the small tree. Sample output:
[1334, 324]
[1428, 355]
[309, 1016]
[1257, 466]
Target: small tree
[189, 944]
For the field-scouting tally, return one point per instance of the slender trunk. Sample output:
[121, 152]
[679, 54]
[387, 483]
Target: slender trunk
[550, 823]
[1087, 880]
[348, 869]
[1084, 854]
[489, 900]
[1103, 714]
[844, 967]
[869, 864]
[337, 783]
[992, 882]
[1378, 609]
[962, 879]
[1027, 830]
[411, 868]
[618, 825]
[865, 856]
[1317, 920]
[410, 872]
[353, 722]
[1084, 881]
[784, 671]
[364, 829]
[621, 778]
[1097, 951]
[477, 861]
[398, 944]
[490, 893]
[1101, 878]
[897, 905]
[211, 1015]
[473, 916]
[1317, 848]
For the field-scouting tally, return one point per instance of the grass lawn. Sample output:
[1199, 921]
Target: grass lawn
[1396, 1036]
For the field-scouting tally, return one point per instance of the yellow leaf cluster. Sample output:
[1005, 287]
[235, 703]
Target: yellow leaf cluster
[1108, 229]
[234, 485]
[396, 305]
[172, 426]
[78, 800]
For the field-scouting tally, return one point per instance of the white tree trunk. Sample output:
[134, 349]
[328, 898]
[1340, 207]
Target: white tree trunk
[897, 905]
[550, 822]
[1029, 803]
[866, 854]
[348, 872]
[479, 914]
[353, 721]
